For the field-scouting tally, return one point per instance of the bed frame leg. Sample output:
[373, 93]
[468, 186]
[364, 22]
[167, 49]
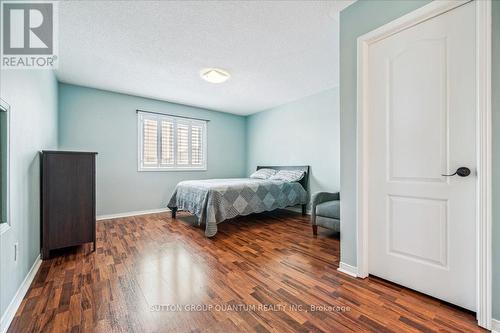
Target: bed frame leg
[304, 209]
[315, 230]
[174, 213]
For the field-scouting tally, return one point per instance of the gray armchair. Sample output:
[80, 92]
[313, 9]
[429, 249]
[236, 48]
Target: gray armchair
[325, 211]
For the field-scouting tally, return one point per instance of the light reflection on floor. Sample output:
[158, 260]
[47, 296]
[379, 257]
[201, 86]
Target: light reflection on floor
[172, 276]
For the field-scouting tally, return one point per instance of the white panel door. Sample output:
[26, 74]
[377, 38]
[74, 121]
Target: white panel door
[421, 100]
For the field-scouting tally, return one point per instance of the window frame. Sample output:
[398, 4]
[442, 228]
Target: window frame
[141, 116]
[4, 226]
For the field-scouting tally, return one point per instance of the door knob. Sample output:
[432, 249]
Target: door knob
[462, 172]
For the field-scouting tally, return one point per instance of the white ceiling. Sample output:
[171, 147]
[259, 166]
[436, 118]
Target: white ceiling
[276, 51]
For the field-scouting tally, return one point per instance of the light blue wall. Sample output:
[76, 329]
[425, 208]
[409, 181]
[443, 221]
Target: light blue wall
[356, 20]
[496, 159]
[32, 95]
[305, 132]
[106, 122]
[102, 121]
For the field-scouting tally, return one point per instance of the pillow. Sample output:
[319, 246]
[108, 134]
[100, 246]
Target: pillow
[263, 173]
[288, 175]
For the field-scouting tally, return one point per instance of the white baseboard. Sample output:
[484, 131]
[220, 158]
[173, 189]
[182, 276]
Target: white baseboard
[348, 269]
[11, 310]
[135, 213]
[495, 326]
[163, 210]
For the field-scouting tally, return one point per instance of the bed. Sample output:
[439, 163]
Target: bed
[216, 200]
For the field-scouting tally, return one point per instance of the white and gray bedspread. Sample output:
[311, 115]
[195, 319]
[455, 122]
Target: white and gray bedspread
[216, 200]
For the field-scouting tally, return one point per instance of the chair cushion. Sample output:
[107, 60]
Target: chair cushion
[329, 209]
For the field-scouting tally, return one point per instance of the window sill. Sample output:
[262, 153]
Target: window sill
[170, 169]
[4, 227]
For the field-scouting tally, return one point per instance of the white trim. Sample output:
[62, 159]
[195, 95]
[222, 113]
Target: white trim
[424, 13]
[11, 310]
[155, 169]
[141, 116]
[483, 237]
[6, 226]
[133, 213]
[495, 326]
[348, 269]
[484, 157]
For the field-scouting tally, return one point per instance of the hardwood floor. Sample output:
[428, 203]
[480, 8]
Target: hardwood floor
[147, 265]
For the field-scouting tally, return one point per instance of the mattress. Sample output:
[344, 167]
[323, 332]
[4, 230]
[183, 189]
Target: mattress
[216, 200]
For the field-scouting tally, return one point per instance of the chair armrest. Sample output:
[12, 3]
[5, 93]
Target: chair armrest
[321, 197]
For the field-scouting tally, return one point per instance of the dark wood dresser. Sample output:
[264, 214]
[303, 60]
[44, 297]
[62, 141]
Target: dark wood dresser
[67, 199]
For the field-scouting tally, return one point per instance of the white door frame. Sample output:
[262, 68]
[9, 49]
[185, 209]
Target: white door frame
[483, 132]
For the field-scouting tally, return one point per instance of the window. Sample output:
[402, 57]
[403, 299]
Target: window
[171, 143]
[4, 166]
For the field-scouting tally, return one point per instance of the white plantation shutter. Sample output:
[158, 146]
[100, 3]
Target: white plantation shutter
[167, 142]
[182, 144]
[150, 150]
[171, 143]
[196, 144]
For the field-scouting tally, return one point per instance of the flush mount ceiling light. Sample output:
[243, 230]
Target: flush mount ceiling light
[214, 75]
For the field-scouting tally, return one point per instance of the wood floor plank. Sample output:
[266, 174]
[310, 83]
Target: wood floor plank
[260, 273]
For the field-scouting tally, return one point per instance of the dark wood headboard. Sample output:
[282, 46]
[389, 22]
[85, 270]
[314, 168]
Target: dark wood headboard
[304, 181]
